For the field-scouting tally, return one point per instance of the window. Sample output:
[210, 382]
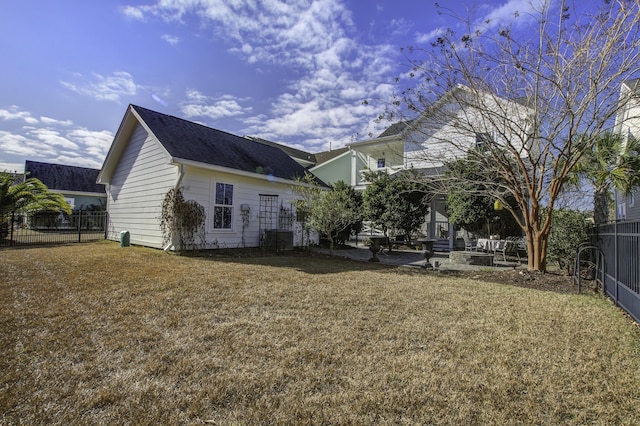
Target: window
[381, 163]
[223, 207]
[631, 200]
[622, 211]
[482, 140]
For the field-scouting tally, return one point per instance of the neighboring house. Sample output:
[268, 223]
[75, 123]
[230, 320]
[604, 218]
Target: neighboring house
[628, 124]
[335, 165]
[245, 185]
[77, 184]
[424, 144]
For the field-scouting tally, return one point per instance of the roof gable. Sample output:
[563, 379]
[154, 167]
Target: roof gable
[65, 178]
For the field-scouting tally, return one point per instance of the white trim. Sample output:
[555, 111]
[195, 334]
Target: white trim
[176, 161]
[79, 193]
[329, 161]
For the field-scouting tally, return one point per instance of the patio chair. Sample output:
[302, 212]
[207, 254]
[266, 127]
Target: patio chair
[508, 246]
[470, 244]
[501, 248]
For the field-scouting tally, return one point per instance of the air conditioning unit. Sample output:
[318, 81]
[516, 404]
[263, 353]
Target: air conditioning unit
[277, 239]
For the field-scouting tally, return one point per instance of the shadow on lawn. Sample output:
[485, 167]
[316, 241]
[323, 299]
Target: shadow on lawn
[314, 262]
[308, 261]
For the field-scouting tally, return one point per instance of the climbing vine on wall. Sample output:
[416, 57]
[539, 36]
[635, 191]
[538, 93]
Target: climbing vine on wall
[182, 222]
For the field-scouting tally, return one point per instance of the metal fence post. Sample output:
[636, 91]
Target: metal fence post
[615, 261]
[11, 226]
[79, 218]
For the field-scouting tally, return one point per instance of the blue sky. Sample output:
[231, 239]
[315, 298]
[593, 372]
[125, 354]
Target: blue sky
[294, 72]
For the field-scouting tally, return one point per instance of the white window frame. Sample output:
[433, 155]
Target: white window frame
[227, 204]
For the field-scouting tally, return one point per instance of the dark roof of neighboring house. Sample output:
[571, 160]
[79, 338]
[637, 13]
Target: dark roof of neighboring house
[323, 157]
[291, 152]
[65, 178]
[195, 142]
[395, 128]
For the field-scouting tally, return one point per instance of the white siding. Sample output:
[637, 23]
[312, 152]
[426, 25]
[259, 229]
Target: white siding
[137, 188]
[199, 185]
[628, 125]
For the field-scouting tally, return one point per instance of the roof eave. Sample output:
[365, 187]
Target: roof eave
[230, 170]
[317, 166]
[79, 193]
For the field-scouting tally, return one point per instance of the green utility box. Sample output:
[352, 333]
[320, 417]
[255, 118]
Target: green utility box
[125, 239]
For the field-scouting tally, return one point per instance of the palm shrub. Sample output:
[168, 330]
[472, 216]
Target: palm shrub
[26, 196]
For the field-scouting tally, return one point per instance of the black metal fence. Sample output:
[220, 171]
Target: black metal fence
[43, 229]
[619, 243]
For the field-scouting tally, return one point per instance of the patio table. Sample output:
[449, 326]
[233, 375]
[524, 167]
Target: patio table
[487, 244]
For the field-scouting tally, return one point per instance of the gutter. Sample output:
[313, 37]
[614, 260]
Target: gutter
[270, 178]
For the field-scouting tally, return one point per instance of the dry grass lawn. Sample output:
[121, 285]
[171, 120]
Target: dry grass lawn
[98, 334]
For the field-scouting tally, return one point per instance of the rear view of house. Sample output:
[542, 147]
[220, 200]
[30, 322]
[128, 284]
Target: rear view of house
[244, 185]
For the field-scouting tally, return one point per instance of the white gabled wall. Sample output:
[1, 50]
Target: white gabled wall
[137, 188]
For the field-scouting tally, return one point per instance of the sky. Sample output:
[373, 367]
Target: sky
[294, 72]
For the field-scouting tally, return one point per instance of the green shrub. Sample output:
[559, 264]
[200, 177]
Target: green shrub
[569, 229]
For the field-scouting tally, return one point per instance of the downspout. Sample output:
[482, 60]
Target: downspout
[180, 175]
[354, 165]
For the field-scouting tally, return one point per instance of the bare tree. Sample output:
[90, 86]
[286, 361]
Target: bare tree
[533, 94]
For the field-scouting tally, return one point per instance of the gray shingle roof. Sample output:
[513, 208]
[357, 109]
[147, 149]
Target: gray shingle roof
[65, 178]
[323, 157]
[395, 128]
[187, 140]
[291, 152]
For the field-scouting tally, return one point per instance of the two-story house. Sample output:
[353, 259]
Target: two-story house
[628, 124]
[455, 123]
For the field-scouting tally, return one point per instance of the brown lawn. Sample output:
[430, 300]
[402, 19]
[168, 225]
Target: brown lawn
[98, 334]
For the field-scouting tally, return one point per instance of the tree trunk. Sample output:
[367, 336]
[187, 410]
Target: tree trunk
[537, 252]
[601, 206]
[537, 236]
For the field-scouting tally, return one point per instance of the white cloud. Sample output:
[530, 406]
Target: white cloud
[73, 160]
[53, 122]
[50, 139]
[431, 35]
[507, 11]
[95, 143]
[53, 138]
[6, 166]
[14, 113]
[16, 144]
[171, 39]
[335, 72]
[132, 12]
[400, 26]
[105, 88]
[202, 106]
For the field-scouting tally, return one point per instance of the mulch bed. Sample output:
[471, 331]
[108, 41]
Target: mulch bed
[558, 282]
